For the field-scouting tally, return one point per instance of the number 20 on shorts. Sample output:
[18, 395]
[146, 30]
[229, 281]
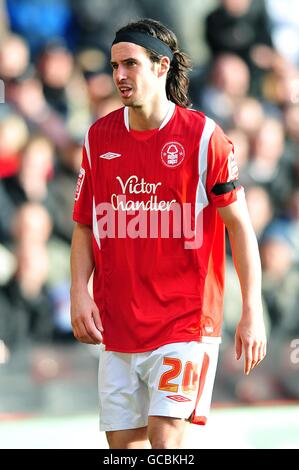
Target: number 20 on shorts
[190, 375]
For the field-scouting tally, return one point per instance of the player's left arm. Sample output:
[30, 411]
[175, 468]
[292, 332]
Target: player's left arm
[250, 333]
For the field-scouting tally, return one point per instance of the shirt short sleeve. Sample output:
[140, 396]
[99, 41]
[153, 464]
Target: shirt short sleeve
[222, 168]
[82, 212]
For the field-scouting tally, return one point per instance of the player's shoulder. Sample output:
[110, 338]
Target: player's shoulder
[195, 115]
[211, 131]
[111, 119]
[200, 123]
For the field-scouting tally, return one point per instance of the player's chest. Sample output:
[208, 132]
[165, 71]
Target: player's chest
[162, 167]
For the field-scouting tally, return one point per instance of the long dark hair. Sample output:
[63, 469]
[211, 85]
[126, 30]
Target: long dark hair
[177, 82]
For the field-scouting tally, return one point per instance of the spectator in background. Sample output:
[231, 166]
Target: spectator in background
[280, 280]
[228, 85]
[31, 224]
[26, 310]
[291, 122]
[14, 57]
[280, 85]
[61, 191]
[65, 92]
[241, 146]
[248, 117]
[55, 66]
[287, 225]
[6, 214]
[240, 27]
[26, 95]
[268, 166]
[260, 209]
[101, 93]
[14, 134]
[36, 167]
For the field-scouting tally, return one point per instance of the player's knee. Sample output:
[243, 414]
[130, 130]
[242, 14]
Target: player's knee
[166, 440]
[158, 442]
[166, 432]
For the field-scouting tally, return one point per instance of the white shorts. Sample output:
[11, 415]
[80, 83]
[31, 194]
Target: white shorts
[175, 380]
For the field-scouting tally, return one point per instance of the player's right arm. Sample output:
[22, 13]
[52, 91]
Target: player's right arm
[85, 315]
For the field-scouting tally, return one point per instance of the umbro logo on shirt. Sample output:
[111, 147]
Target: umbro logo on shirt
[110, 155]
[179, 398]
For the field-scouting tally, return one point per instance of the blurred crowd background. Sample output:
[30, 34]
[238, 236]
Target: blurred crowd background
[54, 62]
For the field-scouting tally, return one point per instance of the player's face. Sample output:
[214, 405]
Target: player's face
[134, 74]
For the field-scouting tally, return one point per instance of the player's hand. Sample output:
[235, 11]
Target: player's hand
[251, 338]
[85, 318]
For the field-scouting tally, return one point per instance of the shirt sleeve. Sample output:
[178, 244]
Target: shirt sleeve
[222, 168]
[82, 212]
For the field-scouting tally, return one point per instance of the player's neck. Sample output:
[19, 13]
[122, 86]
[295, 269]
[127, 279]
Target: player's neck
[149, 116]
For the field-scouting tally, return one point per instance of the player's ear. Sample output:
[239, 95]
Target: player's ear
[164, 65]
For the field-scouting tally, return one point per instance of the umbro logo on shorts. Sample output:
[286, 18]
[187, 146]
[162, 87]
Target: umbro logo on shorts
[179, 398]
[110, 155]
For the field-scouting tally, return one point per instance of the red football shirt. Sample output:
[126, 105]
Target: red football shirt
[159, 243]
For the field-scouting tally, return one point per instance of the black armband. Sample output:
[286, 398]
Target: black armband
[223, 188]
